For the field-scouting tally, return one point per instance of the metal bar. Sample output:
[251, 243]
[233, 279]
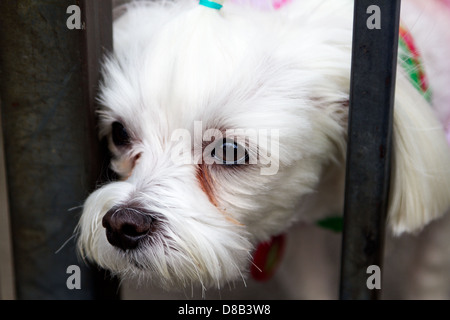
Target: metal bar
[374, 60]
[96, 41]
[7, 287]
[47, 90]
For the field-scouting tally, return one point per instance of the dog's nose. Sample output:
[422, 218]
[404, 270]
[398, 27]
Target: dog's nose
[126, 227]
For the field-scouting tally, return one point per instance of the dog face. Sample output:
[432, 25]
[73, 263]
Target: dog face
[222, 129]
[174, 102]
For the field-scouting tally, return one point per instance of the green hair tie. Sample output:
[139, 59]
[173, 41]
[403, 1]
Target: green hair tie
[210, 4]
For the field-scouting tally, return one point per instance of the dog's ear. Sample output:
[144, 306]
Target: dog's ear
[420, 172]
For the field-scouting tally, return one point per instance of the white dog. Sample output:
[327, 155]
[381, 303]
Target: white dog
[182, 75]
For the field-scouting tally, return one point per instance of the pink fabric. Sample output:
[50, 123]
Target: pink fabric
[446, 2]
[277, 4]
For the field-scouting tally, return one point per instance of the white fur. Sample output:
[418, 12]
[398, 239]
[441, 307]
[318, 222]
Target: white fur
[176, 63]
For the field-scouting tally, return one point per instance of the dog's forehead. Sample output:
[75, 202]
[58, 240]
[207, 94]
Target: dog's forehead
[176, 77]
[197, 66]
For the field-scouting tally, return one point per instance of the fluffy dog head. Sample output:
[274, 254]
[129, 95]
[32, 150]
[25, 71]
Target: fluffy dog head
[181, 77]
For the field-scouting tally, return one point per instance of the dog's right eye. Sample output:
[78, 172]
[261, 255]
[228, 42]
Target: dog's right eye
[119, 134]
[229, 152]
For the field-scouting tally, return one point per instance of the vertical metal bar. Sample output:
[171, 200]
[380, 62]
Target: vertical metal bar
[7, 287]
[96, 41]
[374, 60]
[47, 88]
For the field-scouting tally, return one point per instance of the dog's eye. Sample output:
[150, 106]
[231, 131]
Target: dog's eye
[119, 134]
[229, 152]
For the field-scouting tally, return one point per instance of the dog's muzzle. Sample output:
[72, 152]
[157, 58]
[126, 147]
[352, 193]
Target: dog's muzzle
[127, 227]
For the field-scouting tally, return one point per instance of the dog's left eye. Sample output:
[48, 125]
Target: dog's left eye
[120, 135]
[229, 152]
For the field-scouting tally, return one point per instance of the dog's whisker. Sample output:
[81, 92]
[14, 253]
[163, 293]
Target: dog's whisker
[75, 208]
[241, 275]
[65, 243]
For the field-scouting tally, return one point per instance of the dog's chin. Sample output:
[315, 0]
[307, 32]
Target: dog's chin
[173, 268]
[172, 271]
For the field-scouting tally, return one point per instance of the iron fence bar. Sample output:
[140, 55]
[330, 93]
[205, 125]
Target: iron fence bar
[49, 70]
[7, 287]
[373, 74]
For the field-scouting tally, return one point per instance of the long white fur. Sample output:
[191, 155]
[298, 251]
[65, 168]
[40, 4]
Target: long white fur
[175, 63]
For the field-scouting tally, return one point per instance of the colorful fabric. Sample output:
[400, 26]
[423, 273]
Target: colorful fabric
[410, 60]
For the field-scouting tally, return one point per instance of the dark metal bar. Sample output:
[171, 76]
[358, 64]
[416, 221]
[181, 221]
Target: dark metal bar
[374, 57]
[49, 76]
[7, 288]
[96, 41]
